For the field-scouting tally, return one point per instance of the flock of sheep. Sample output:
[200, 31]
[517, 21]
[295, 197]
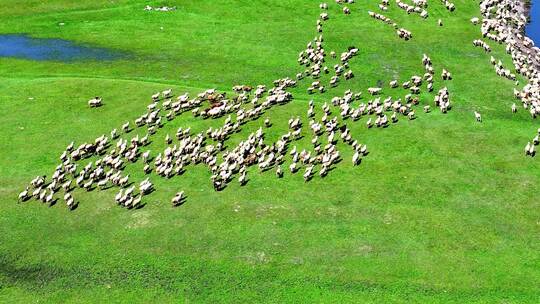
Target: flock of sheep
[108, 155]
[418, 7]
[503, 22]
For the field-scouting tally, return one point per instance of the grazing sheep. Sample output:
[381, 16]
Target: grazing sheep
[356, 158]
[446, 75]
[530, 150]
[242, 179]
[136, 202]
[279, 172]
[478, 116]
[404, 34]
[70, 203]
[95, 102]
[308, 173]
[374, 91]
[292, 167]
[67, 185]
[369, 123]
[114, 134]
[178, 199]
[102, 184]
[167, 93]
[23, 196]
[125, 127]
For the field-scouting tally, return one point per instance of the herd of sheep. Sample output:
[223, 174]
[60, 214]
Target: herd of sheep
[328, 124]
[503, 22]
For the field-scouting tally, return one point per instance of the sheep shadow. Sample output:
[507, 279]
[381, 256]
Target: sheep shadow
[139, 206]
[330, 169]
[53, 202]
[180, 203]
[74, 206]
[24, 199]
[151, 190]
[129, 184]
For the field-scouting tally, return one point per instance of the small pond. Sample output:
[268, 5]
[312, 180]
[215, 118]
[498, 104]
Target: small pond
[26, 47]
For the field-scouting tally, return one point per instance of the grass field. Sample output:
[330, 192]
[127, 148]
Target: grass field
[442, 210]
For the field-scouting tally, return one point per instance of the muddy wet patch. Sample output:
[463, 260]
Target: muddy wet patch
[42, 49]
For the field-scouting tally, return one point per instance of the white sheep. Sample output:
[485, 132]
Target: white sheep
[478, 116]
[95, 102]
[23, 195]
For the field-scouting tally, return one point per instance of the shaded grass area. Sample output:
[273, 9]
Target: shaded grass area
[265, 281]
[442, 210]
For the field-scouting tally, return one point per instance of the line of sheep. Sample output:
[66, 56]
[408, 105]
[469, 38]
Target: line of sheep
[504, 21]
[418, 6]
[401, 32]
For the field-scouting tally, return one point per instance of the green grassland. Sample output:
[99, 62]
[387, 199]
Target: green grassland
[442, 210]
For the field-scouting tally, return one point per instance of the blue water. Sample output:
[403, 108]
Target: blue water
[23, 46]
[533, 28]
